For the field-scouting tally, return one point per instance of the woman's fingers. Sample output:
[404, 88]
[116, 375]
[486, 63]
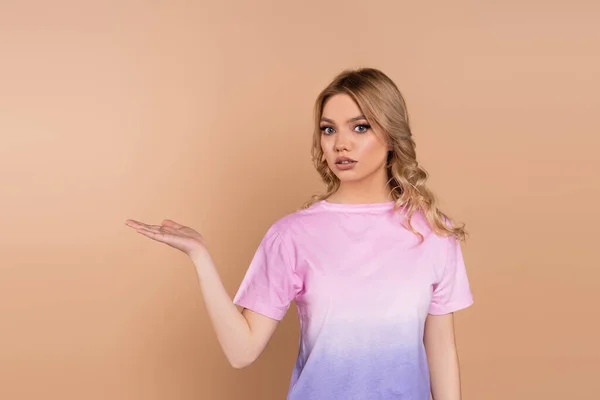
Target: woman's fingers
[131, 223]
[172, 223]
[152, 234]
[137, 224]
[180, 228]
[167, 222]
[160, 233]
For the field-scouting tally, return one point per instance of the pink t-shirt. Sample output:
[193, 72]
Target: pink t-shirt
[363, 287]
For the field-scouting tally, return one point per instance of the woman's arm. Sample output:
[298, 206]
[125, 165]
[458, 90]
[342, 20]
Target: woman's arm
[442, 357]
[242, 335]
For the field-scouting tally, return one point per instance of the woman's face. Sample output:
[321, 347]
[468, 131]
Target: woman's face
[353, 150]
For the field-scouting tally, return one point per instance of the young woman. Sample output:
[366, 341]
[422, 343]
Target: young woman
[374, 267]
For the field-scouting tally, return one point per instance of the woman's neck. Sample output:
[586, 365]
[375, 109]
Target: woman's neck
[348, 193]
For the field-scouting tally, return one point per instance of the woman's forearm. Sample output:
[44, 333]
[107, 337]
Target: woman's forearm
[231, 328]
[445, 374]
[442, 357]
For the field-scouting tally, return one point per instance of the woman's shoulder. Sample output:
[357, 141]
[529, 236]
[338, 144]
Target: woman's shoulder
[300, 219]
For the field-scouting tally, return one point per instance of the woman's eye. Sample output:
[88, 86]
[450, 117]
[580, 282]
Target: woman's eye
[362, 128]
[327, 130]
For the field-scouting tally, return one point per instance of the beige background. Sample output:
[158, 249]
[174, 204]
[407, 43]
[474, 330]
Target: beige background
[201, 112]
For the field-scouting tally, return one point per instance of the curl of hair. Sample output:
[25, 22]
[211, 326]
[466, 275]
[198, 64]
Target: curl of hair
[385, 109]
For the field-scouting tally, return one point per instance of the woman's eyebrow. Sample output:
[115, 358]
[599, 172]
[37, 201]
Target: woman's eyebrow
[350, 120]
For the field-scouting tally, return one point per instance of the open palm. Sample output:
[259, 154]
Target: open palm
[173, 234]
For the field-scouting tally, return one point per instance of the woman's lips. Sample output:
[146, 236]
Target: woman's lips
[344, 163]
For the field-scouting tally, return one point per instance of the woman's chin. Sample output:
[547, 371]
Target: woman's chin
[347, 177]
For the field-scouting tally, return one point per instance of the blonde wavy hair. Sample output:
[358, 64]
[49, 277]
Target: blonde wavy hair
[383, 105]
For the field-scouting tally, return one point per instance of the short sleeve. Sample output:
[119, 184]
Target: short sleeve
[452, 291]
[270, 283]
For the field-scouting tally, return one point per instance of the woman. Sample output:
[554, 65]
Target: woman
[375, 268]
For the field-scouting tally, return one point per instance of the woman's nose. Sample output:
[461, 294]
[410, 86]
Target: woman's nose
[340, 147]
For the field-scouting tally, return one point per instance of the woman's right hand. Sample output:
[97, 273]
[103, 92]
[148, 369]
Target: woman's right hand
[178, 236]
[242, 335]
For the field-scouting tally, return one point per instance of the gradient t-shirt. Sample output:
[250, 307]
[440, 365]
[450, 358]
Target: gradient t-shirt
[363, 287]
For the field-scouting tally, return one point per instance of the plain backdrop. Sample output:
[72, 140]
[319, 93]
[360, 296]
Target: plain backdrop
[202, 112]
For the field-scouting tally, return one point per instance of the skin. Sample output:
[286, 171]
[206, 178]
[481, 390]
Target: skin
[346, 132]
[244, 335]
